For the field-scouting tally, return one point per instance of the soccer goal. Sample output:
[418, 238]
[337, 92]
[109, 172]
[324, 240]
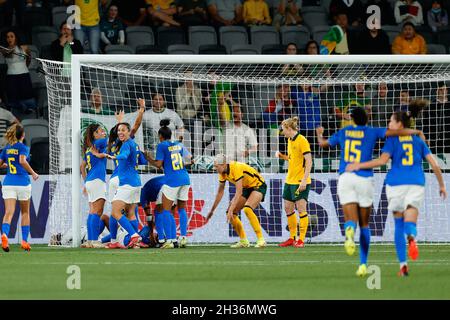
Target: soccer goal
[234, 105]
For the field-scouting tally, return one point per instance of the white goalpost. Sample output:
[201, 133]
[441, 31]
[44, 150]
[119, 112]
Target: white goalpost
[228, 91]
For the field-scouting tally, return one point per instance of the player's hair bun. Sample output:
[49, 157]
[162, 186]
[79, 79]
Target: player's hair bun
[164, 122]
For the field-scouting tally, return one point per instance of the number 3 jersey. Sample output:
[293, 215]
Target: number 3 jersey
[16, 174]
[407, 153]
[171, 153]
[357, 144]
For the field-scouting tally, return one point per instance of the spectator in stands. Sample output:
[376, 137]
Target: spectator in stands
[279, 108]
[437, 17]
[308, 110]
[408, 11]
[163, 12]
[387, 15]
[403, 100]
[96, 105]
[19, 89]
[373, 41]
[353, 10]
[132, 13]
[112, 29]
[337, 39]
[409, 42]
[256, 12]
[224, 102]
[90, 24]
[192, 12]
[382, 106]
[355, 99]
[240, 139]
[287, 13]
[225, 12]
[292, 69]
[6, 119]
[63, 47]
[312, 47]
[436, 120]
[219, 101]
[188, 99]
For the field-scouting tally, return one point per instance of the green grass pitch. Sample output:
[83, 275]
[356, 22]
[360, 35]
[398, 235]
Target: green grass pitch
[206, 272]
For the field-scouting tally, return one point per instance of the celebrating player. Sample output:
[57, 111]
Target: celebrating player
[170, 155]
[355, 190]
[405, 183]
[93, 170]
[298, 181]
[250, 191]
[16, 185]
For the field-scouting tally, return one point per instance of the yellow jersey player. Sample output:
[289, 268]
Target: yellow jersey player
[250, 191]
[298, 181]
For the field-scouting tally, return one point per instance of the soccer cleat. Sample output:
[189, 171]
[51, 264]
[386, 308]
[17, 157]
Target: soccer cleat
[243, 243]
[413, 250]
[134, 240]
[167, 245]
[260, 243]
[87, 244]
[114, 245]
[288, 243]
[404, 271]
[349, 244]
[362, 271]
[183, 242]
[26, 246]
[5, 244]
[298, 244]
[96, 245]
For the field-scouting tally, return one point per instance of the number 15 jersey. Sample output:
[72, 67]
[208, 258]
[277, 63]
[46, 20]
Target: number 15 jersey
[171, 153]
[407, 154]
[357, 143]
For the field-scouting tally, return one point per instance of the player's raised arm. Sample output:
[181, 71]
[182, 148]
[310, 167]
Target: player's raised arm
[140, 116]
[438, 173]
[323, 143]
[219, 196]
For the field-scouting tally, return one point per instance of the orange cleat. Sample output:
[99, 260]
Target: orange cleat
[26, 246]
[299, 244]
[404, 271]
[413, 250]
[134, 241]
[114, 245]
[5, 245]
[288, 243]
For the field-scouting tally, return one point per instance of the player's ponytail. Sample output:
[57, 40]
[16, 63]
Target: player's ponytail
[165, 131]
[291, 123]
[14, 133]
[414, 109]
[113, 136]
[89, 136]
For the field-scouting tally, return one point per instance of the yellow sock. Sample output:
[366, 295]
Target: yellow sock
[251, 216]
[304, 220]
[238, 227]
[292, 225]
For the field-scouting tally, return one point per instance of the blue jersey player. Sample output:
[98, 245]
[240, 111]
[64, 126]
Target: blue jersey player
[355, 190]
[170, 155]
[16, 185]
[405, 183]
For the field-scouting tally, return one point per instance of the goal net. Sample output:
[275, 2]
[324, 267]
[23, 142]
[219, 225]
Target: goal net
[234, 105]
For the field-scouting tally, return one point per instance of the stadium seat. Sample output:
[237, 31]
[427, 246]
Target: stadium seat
[273, 49]
[43, 35]
[146, 49]
[312, 19]
[181, 49]
[46, 52]
[167, 36]
[443, 37]
[35, 128]
[299, 35]
[59, 15]
[139, 35]
[244, 49]
[318, 32]
[232, 35]
[392, 32]
[436, 49]
[118, 49]
[40, 155]
[325, 4]
[262, 35]
[201, 35]
[309, 9]
[212, 49]
[35, 16]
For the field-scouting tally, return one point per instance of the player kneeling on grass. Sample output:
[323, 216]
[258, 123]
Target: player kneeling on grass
[298, 181]
[355, 189]
[405, 183]
[250, 191]
[16, 185]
